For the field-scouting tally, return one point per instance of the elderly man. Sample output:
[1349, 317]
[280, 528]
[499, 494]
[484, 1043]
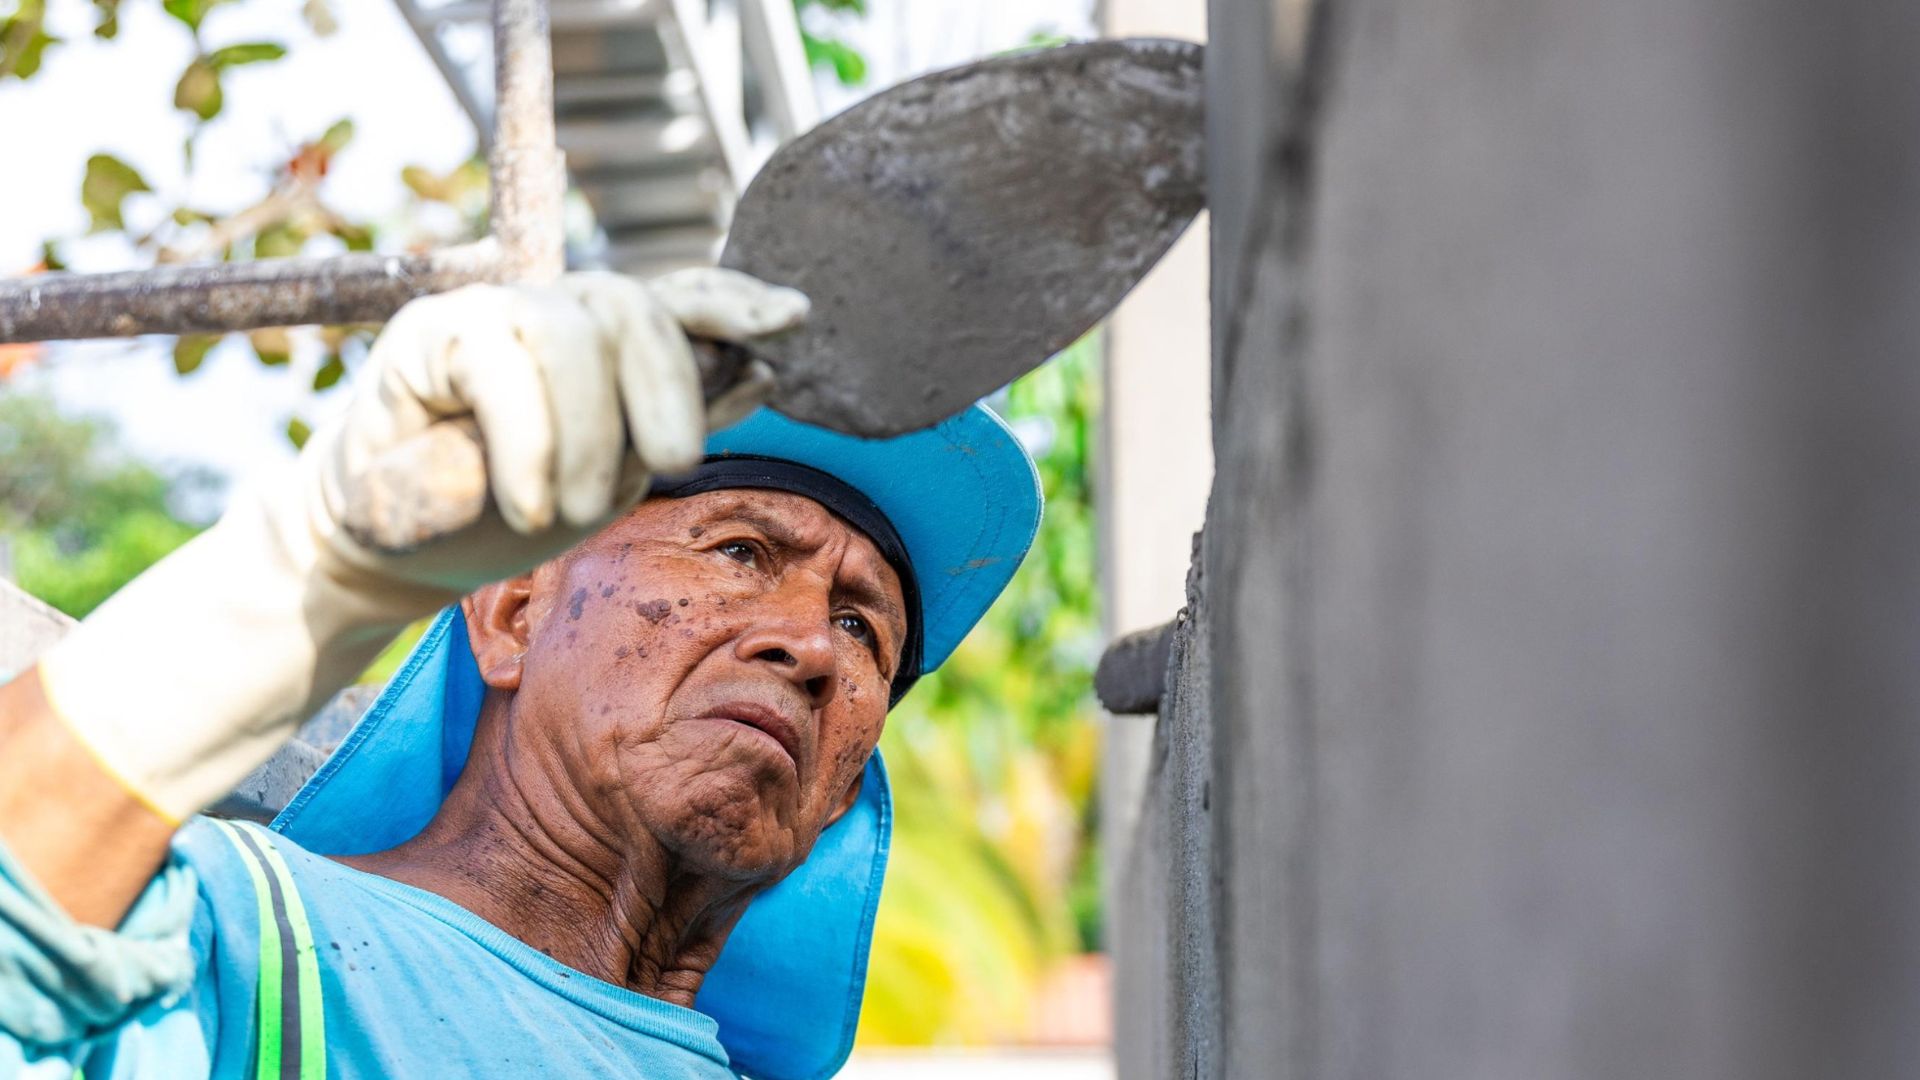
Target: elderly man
[619, 814]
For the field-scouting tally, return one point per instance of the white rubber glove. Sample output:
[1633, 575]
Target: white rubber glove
[199, 669]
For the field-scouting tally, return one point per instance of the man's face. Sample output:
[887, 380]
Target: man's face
[713, 671]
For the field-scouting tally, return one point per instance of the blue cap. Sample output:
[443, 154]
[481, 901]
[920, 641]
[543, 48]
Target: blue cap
[964, 500]
[962, 495]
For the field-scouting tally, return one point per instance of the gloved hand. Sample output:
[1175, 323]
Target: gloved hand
[199, 669]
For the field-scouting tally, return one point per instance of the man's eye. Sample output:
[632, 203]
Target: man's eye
[739, 551]
[857, 626]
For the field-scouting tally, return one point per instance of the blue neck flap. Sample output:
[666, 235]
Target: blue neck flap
[787, 988]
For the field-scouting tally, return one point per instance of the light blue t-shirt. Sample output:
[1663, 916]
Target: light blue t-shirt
[412, 985]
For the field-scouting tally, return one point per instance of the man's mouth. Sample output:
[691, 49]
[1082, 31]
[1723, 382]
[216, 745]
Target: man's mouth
[769, 722]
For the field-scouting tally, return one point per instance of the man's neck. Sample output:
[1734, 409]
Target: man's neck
[509, 847]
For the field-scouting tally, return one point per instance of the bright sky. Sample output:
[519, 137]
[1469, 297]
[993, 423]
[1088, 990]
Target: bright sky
[116, 97]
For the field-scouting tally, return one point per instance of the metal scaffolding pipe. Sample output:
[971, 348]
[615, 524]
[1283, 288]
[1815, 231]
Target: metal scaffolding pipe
[527, 241]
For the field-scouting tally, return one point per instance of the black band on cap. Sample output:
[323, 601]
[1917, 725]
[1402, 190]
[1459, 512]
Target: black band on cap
[838, 496]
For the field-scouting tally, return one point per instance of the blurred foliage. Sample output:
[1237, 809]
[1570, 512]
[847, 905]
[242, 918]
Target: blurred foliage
[826, 49]
[994, 874]
[294, 217]
[80, 517]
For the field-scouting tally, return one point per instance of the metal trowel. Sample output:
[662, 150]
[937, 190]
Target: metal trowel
[953, 232]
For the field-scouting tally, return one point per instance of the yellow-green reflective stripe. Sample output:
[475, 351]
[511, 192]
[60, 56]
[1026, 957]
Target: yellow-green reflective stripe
[313, 1022]
[267, 1023]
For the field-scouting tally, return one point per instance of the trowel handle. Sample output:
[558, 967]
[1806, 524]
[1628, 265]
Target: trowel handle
[435, 483]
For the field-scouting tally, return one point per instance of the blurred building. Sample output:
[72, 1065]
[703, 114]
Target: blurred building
[664, 109]
[1156, 449]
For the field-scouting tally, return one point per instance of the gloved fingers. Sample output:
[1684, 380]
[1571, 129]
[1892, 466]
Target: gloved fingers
[576, 347]
[405, 386]
[659, 380]
[409, 388]
[742, 398]
[727, 304]
[492, 368]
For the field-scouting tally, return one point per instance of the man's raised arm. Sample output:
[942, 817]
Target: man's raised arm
[184, 681]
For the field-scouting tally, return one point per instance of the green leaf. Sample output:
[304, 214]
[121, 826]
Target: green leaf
[107, 25]
[279, 241]
[23, 43]
[191, 350]
[356, 237]
[272, 345]
[190, 12]
[198, 90]
[848, 65]
[187, 216]
[330, 372]
[108, 182]
[50, 256]
[298, 432]
[252, 52]
[336, 138]
[423, 183]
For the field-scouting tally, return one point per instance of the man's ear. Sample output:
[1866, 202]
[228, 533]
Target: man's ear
[846, 801]
[499, 625]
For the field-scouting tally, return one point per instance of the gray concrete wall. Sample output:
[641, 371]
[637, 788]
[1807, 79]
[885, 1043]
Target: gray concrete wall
[1163, 937]
[1555, 692]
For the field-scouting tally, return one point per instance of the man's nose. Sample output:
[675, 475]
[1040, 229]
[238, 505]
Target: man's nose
[794, 635]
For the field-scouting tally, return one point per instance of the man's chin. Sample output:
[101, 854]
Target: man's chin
[736, 824]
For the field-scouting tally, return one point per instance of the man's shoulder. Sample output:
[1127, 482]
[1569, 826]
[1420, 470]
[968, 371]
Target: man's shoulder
[208, 843]
[235, 862]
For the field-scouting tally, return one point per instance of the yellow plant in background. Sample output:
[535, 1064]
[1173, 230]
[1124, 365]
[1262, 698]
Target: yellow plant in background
[993, 759]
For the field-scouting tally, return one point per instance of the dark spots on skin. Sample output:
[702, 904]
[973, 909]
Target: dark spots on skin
[605, 709]
[576, 602]
[654, 610]
[683, 601]
[623, 652]
[697, 531]
[608, 590]
[573, 636]
[849, 686]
